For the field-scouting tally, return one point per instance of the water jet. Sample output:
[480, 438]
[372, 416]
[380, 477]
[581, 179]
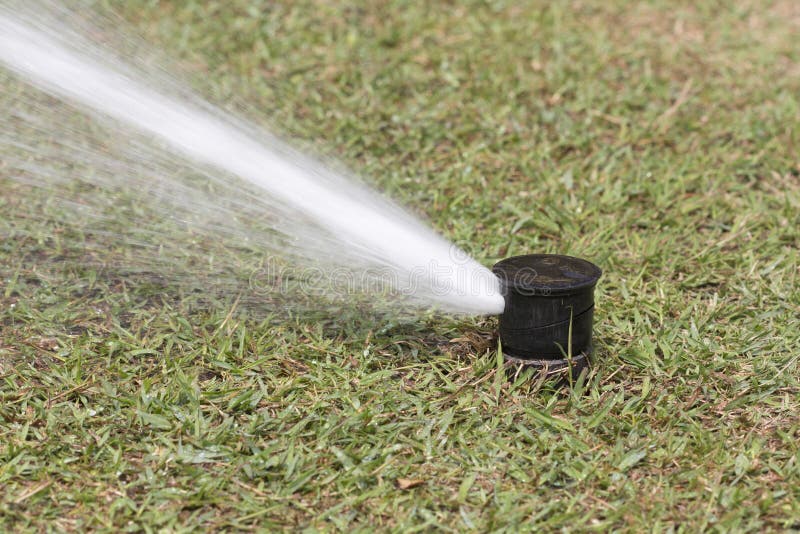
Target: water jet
[549, 307]
[267, 196]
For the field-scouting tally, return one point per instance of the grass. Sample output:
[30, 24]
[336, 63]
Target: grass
[657, 138]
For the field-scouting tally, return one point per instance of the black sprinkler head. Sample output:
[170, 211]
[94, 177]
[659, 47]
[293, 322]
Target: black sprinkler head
[547, 320]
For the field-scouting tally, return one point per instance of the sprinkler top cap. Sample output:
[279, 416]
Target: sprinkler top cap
[546, 274]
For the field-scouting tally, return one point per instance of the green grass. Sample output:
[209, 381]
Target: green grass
[659, 139]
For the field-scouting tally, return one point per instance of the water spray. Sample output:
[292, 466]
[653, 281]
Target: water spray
[546, 324]
[316, 214]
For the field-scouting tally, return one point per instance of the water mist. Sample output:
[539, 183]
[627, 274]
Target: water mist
[278, 200]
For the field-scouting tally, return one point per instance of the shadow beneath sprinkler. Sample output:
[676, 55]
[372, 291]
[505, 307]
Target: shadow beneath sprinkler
[547, 321]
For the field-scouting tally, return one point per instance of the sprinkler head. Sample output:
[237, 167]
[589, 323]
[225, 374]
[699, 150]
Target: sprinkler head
[547, 321]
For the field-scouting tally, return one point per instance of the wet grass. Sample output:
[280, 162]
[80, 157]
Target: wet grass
[658, 139]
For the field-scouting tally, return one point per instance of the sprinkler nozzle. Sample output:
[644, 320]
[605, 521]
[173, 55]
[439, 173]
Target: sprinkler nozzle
[547, 320]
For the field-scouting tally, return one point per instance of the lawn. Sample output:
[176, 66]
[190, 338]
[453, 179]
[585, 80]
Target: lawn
[658, 139]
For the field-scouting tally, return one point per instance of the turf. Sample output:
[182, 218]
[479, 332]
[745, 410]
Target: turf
[658, 139]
